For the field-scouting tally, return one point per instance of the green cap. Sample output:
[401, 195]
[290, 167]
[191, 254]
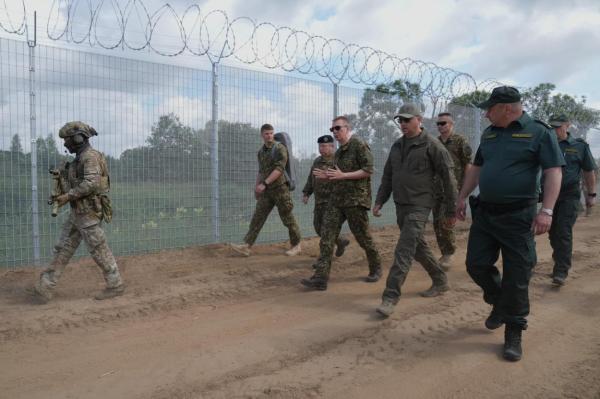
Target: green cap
[76, 127]
[557, 120]
[501, 95]
[408, 110]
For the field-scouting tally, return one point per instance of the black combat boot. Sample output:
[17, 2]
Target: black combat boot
[494, 320]
[512, 342]
[374, 275]
[315, 283]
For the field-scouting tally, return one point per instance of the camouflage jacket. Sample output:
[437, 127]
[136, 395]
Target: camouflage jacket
[270, 159]
[321, 188]
[461, 153]
[352, 156]
[88, 178]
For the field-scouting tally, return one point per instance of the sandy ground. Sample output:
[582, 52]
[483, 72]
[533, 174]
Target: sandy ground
[204, 323]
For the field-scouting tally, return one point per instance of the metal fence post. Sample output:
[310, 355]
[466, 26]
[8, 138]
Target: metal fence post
[336, 100]
[214, 154]
[35, 221]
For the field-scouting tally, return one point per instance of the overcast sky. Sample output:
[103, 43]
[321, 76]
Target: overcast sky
[522, 42]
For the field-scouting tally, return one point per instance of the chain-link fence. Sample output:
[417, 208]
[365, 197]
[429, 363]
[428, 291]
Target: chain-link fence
[155, 124]
[178, 177]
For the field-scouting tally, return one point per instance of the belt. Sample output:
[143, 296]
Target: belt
[505, 208]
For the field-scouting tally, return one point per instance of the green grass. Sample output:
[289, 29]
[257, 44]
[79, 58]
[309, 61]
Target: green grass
[148, 217]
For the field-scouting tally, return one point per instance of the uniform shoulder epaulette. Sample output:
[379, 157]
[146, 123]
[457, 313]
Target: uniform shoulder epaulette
[581, 140]
[541, 122]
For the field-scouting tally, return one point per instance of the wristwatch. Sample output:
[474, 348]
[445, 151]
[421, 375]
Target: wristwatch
[591, 194]
[546, 211]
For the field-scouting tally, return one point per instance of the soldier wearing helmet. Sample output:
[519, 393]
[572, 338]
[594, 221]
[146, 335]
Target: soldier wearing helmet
[89, 184]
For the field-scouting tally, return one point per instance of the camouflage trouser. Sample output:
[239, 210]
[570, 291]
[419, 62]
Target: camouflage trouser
[561, 235]
[318, 220]
[443, 234]
[411, 245]
[70, 237]
[281, 198]
[358, 220]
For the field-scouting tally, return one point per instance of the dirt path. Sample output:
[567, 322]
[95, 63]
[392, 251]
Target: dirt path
[203, 323]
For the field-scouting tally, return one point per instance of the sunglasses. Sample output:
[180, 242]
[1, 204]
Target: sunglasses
[337, 128]
[442, 123]
[400, 119]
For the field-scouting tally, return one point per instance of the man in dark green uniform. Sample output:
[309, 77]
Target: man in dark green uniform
[271, 189]
[460, 151]
[578, 158]
[416, 160]
[506, 167]
[350, 200]
[322, 188]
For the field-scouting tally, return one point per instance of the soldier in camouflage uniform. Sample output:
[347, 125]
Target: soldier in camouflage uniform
[350, 200]
[460, 151]
[271, 189]
[322, 189]
[89, 183]
[414, 160]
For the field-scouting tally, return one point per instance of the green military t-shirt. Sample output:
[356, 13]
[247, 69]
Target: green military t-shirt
[270, 159]
[352, 156]
[510, 159]
[578, 157]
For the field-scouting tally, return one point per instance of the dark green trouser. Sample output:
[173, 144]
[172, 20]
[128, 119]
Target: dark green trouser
[561, 235]
[411, 245]
[281, 198]
[509, 232]
[358, 220]
[444, 235]
[318, 221]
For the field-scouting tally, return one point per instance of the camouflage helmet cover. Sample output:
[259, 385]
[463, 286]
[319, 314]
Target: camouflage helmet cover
[75, 127]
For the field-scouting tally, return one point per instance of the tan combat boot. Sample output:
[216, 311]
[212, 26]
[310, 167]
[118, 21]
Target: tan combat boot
[242, 249]
[108, 293]
[293, 251]
[386, 308]
[446, 262]
[435, 290]
[42, 293]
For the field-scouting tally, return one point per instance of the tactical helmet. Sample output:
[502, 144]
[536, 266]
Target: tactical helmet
[76, 127]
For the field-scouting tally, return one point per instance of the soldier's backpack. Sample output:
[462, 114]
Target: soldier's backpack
[290, 171]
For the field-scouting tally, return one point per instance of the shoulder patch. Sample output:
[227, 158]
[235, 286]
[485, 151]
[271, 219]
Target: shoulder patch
[541, 122]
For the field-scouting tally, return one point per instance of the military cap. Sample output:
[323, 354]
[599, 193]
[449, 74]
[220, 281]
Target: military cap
[325, 139]
[76, 127]
[501, 95]
[408, 110]
[557, 120]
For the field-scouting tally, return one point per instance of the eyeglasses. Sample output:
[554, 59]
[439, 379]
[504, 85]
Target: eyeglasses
[442, 123]
[400, 119]
[337, 128]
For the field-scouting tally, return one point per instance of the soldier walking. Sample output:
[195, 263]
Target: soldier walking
[461, 152]
[89, 184]
[350, 200]
[579, 159]
[414, 160]
[271, 190]
[322, 188]
[505, 218]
